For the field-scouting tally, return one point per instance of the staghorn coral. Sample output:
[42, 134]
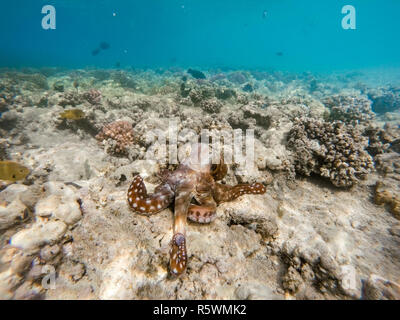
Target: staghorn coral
[331, 150]
[121, 135]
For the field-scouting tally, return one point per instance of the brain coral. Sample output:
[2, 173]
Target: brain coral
[330, 149]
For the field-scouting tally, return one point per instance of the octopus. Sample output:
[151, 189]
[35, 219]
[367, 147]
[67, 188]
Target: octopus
[195, 192]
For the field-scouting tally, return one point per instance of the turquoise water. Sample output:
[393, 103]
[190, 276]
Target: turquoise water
[240, 34]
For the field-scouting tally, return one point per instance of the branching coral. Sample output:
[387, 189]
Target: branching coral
[331, 150]
[383, 140]
[349, 109]
[121, 135]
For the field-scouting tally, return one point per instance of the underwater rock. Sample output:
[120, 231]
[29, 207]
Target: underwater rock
[248, 88]
[70, 98]
[332, 150]
[256, 291]
[195, 96]
[39, 234]
[388, 195]
[237, 77]
[378, 288]
[388, 164]
[13, 213]
[58, 86]
[385, 99]
[124, 79]
[65, 208]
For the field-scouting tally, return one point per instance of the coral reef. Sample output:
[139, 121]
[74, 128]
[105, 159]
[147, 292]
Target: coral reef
[385, 99]
[300, 240]
[211, 105]
[349, 108]
[332, 150]
[93, 96]
[121, 135]
[386, 196]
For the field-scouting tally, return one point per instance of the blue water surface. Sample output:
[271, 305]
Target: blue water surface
[237, 34]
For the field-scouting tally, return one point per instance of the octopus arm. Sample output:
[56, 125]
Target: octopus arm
[203, 213]
[144, 203]
[220, 171]
[225, 193]
[178, 256]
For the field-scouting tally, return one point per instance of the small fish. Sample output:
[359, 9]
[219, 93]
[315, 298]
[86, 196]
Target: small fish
[104, 45]
[12, 171]
[264, 14]
[72, 114]
[196, 74]
[95, 52]
[279, 54]
[117, 64]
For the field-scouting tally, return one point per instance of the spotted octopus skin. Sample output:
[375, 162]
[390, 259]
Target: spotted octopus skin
[181, 187]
